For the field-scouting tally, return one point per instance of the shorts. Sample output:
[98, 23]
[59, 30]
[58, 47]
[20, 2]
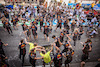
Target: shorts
[58, 64]
[32, 61]
[4, 26]
[67, 32]
[67, 61]
[28, 34]
[23, 51]
[46, 34]
[59, 26]
[84, 57]
[34, 34]
[74, 38]
[14, 23]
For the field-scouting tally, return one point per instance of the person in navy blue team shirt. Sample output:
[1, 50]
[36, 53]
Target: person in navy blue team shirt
[34, 31]
[22, 48]
[46, 31]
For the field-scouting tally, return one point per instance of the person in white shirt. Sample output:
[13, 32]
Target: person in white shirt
[27, 15]
[94, 19]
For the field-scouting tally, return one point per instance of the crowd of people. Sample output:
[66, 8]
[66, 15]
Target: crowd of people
[68, 19]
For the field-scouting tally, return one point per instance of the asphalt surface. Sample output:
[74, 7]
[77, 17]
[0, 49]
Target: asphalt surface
[12, 51]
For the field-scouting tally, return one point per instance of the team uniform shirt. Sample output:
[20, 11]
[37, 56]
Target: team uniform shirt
[32, 57]
[57, 43]
[59, 23]
[73, 26]
[67, 28]
[58, 60]
[35, 22]
[28, 32]
[41, 21]
[66, 45]
[75, 36]
[24, 26]
[34, 29]
[65, 24]
[46, 29]
[7, 24]
[13, 21]
[62, 36]
[69, 56]
[81, 30]
[22, 48]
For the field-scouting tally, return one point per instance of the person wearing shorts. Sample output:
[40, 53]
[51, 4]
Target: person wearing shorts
[34, 31]
[46, 31]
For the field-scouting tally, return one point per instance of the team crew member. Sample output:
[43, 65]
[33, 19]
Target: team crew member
[22, 48]
[75, 35]
[46, 55]
[34, 31]
[1, 47]
[14, 23]
[57, 58]
[89, 41]
[24, 26]
[66, 27]
[34, 22]
[7, 26]
[32, 57]
[73, 24]
[59, 24]
[66, 45]
[68, 56]
[28, 31]
[46, 31]
[66, 23]
[62, 36]
[50, 27]
[57, 41]
[81, 31]
[3, 63]
[86, 49]
[41, 23]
